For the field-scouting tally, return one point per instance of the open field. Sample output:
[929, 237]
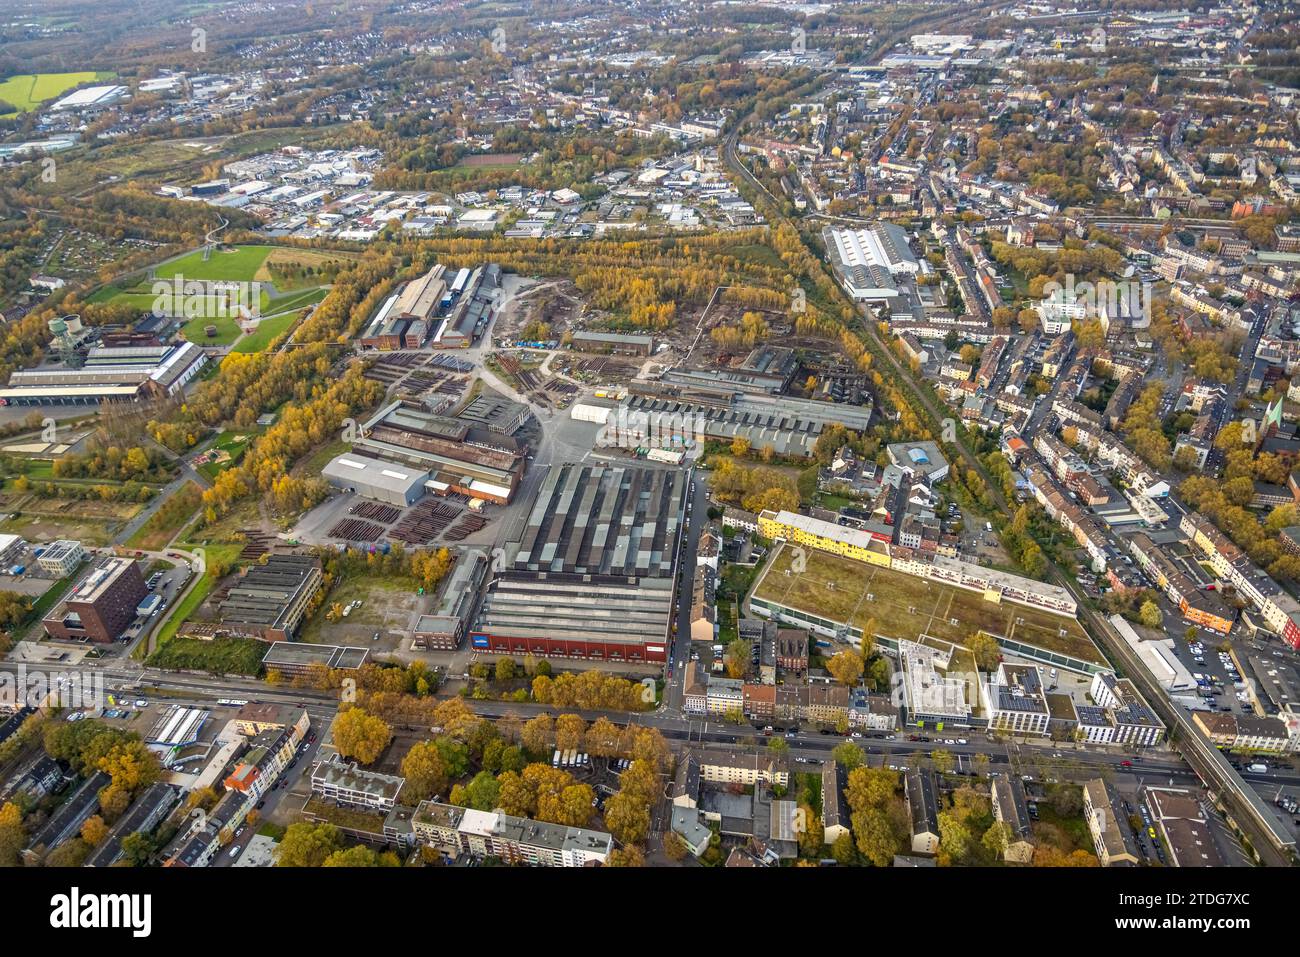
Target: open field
[487, 160]
[287, 257]
[907, 607]
[223, 656]
[286, 312]
[44, 528]
[245, 264]
[386, 607]
[239, 264]
[28, 91]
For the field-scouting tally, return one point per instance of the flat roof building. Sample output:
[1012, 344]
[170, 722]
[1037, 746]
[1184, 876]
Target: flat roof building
[110, 374]
[101, 605]
[515, 840]
[291, 658]
[348, 785]
[376, 479]
[270, 600]
[61, 558]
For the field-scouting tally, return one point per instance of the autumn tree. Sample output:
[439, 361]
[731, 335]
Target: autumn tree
[307, 845]
[846, 667]
[360, 735]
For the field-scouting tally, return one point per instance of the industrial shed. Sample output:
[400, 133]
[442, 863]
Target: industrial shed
[377, 479]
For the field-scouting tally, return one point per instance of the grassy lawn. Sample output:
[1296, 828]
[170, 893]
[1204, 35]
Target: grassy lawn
[170, 518]
[907, 607]
[29, 90]
[221, 656]
[286, 256]
[239, 264]
[318, 459]
[279, 313]
[233, 444]
[268, 330]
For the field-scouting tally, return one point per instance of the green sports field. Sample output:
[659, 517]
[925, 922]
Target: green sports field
[26, 91]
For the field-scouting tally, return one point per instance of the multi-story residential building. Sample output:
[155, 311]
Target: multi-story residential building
[725, 696]
[1111, 835]
[350, 786]
[1201, 607]
[260, 767]
[874, 712]
[1133, 721]
[144, 814]
[256, 717]
[1281, 612]
[1180, 819]
[760, 701]
[515, 840]
[727, 767]
[922, 809]
[1012, 810]
[1244, 732]
[835, 812]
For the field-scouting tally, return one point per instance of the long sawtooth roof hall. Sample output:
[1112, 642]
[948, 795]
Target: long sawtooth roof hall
[592, 574]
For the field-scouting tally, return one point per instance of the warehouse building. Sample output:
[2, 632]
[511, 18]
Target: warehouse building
[270, 600]
[617, 343]
[449, 454]
[110, 374]
[444, 629]
[592, 575]
[292, 659]
[869, 261]
[470, 306]
[91, 98]
[101, 605]
[788, 425]
[12, 548]
[495, 413]
[399, 485]
[405, 319]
